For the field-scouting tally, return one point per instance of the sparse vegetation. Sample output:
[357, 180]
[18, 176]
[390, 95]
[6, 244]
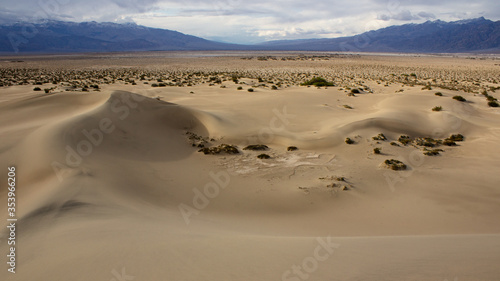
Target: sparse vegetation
[459, 98]
[449, 142]
[349, 141]
[432, 152]
[457, 137]
[256, 147]
[395, 165]
[428, 142]
[318, 82]
[437, 108]
[493, 104]
[263, 156]
[223, 148]
[405, 140]
[380, 137]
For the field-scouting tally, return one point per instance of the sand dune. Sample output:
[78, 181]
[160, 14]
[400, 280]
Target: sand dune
[111, 185]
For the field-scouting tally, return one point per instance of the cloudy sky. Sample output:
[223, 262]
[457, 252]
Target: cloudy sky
[253, 21]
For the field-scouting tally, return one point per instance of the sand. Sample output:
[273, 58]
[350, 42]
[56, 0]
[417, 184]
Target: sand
[111, 186]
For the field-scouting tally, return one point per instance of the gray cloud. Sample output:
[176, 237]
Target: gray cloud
[257, 20]
[426, 15]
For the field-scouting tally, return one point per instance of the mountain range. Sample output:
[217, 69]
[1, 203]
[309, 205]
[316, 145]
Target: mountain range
[474, 35]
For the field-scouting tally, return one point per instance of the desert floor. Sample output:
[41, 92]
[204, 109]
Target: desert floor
[111, 184]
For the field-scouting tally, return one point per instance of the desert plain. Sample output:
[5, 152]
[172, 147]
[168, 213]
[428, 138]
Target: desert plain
[251, 166]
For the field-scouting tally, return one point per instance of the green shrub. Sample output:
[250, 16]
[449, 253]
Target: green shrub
[459, 98]
[437, 108]
[318, 82]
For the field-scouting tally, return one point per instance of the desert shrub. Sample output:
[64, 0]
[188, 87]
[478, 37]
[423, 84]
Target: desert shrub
[47, 90]
[432, 152]
[457, 137]
[240, 88]
[394, 143]
[291, 148]
[437, 108]
[404, 139]
[429, 142]
[493, 104]
[377, 150]
[226, 148]
[490, 98]
[256, 147]
[459, 98]
[349, 141]
[347, 106]
[154, 85]
[263, 156]
[395, 165]
[318, 82]
[37, 89]
[438, 94]
[449, 142]
[274, 87]
[355, 91]
[379, 137]
[250, 90]
[428, 87]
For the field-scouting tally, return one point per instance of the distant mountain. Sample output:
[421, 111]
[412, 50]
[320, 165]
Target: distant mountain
[474, 35]
[65, 37]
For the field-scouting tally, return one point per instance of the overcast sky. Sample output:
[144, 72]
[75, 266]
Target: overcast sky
[254, 21]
